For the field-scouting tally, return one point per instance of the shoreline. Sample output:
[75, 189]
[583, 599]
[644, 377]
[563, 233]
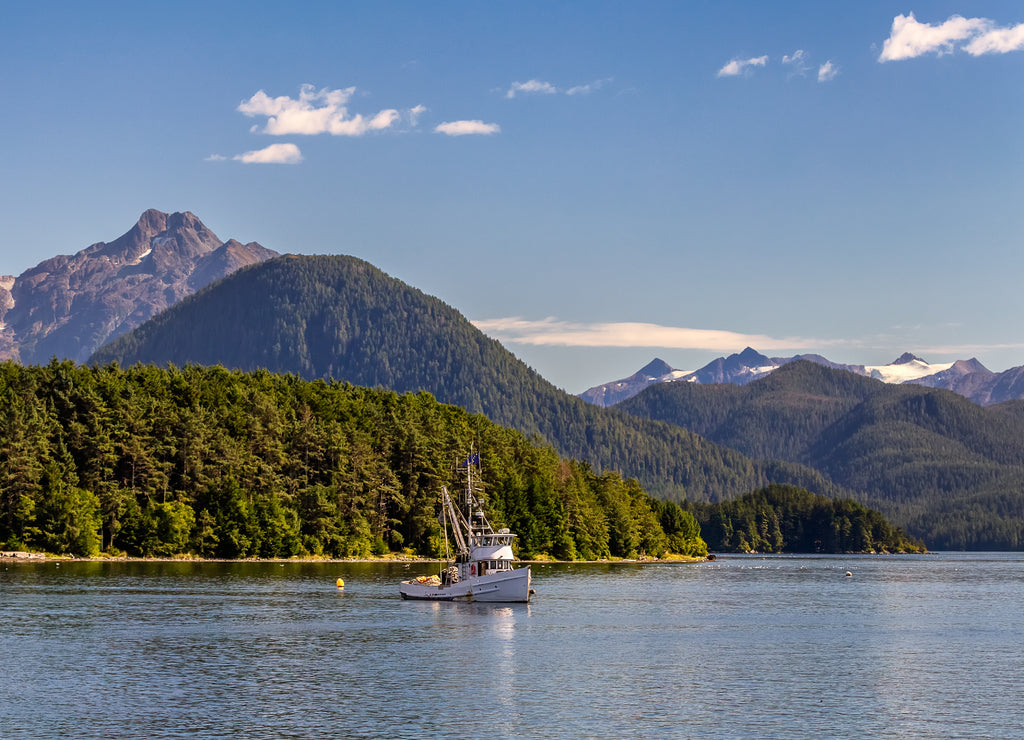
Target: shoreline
[406, 559]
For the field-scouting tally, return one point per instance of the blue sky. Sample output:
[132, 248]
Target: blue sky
[595, 183]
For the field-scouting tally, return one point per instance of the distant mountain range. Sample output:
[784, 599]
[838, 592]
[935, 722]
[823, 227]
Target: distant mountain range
[969, 378]
[948, 469]
[67, 306]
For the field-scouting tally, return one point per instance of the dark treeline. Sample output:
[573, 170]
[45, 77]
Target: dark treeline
[159, 462]
[789, 519]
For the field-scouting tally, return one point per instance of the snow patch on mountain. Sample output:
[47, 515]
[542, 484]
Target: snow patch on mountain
[905, 371]
[675, 375]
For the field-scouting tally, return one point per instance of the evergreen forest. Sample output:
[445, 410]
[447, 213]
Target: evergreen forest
[214, 463]
[781, 519]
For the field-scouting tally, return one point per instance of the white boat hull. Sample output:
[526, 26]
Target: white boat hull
[504, 587]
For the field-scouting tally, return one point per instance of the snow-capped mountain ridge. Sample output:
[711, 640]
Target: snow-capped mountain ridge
[968, 377]
[656, 371]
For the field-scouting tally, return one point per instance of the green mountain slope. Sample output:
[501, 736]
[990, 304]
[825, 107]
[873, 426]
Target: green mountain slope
[342, 318]
[948, 470]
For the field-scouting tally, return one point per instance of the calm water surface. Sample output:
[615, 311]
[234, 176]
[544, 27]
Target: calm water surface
[745, 647]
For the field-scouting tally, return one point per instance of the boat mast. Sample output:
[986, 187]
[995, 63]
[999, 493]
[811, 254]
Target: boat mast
[474, 506]
[444, 528]
[469, 492]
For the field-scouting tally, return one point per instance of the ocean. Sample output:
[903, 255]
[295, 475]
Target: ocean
[927, 646]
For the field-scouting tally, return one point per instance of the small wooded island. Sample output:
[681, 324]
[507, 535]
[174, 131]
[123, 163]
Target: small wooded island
[202, 461]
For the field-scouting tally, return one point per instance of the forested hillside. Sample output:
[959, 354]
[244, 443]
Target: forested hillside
[787, 519]
[1010, 409]
[943, 467]
[342, 318]
[158, 462]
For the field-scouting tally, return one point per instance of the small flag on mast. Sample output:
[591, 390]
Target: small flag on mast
[473, 459]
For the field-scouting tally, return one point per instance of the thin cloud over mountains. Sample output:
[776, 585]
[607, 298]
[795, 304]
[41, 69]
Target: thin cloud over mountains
[552, 332]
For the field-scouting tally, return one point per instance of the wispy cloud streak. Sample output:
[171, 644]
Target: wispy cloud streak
[467, 128]
[542, 87]
[273, 154]
[533, 87]
[552, 332]
[797, 63]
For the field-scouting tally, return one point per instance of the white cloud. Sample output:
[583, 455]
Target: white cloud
[415, 113]
[910, 38]
[383, 120]
[531, 87]
[827, 72]
[215, 158]
[314, 112]
[588, 88]
[997, 41]
[464, 128]
[552, 332]
[797, 61]
[273, 154]
[540, 87]
[740, 66]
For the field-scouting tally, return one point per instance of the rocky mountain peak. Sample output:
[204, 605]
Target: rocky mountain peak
[906, 358]
[67, 306]
[750, 357]
[655, 368]
[151, 222]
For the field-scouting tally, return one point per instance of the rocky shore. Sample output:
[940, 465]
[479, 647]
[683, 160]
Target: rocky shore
[19, 555]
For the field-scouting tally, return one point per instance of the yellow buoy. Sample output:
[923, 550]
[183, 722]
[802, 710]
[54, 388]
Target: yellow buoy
[340, 583]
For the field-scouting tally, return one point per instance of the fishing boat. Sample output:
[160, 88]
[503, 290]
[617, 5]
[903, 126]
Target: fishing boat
[484, 567]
